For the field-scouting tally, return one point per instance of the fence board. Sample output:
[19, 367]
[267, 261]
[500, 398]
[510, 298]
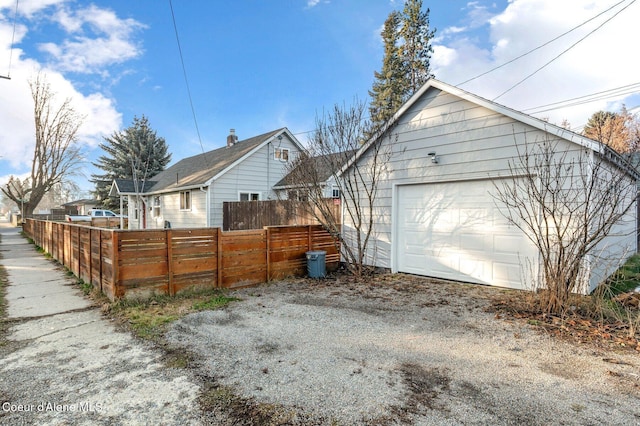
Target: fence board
[138, 263]
[244, 215]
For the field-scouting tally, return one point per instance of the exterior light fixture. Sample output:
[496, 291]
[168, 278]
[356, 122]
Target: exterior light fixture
[434, 158]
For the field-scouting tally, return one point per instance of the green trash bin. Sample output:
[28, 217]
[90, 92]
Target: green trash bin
[316, 267]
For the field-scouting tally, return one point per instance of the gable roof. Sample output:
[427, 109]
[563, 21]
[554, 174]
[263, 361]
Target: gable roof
[202, 169]
[537, 123]
[128, 186]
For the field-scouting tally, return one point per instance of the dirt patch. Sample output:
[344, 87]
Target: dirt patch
[424, 388]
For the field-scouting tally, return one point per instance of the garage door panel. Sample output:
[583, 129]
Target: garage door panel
[507, 244]
[473, 242]
[506, 273]
[455, 231]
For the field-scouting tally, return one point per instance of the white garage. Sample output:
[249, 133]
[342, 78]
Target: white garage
[434, 214]
[454, 230]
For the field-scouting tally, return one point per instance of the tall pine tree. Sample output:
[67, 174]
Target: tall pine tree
[387, 91]
[406, 64]
[416, 47]
[136, 153]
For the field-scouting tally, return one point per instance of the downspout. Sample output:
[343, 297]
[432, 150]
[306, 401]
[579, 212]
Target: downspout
[206, 209]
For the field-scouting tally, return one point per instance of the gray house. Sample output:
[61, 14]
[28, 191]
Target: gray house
[190, 193]
[436, 213]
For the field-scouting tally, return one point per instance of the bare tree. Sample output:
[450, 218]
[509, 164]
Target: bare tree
[56, 152]
[329, 163]
[567, 202]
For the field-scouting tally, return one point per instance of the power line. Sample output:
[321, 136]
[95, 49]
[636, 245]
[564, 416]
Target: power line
[563, 52]
[186, 80]
[581, 100]
[13, 38]
[541, 46]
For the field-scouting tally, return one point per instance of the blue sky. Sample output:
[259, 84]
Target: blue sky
[259, 65]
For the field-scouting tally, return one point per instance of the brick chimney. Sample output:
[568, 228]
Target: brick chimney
[232, 138]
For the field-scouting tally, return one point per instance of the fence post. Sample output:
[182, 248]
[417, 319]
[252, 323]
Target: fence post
[171, 288]
[268, 253]
[310, 242]
[219, 260]
[90, 266]
[100, 261]
[116, 261]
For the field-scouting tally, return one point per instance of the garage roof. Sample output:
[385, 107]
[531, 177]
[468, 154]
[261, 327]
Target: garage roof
[558, 131]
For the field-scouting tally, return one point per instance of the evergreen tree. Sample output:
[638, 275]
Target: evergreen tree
[387, 91]
[416, 48]
[406, 63]
[135, 153]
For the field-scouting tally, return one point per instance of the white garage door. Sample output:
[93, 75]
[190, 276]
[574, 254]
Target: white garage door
[454, 230]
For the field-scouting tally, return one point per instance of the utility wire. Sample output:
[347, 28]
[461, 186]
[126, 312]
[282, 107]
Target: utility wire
[186, 80]
[541, 46]
[13, 38]
[563, 52]
[580, 100]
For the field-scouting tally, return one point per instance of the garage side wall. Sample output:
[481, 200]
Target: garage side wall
[621, 243]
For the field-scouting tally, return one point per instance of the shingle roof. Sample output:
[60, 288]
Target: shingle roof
[199, 169]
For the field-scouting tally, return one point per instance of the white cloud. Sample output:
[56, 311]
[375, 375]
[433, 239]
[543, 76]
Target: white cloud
[29, 8]
[97, 38]
[602, 61]
[112, 43]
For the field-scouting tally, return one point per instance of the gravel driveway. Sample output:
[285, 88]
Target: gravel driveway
[402, 350]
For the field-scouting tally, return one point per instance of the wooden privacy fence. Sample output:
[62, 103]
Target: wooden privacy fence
[238, 215]
[124, 263]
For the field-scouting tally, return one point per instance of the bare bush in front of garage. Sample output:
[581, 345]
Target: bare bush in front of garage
[329, 166]
[567, 202]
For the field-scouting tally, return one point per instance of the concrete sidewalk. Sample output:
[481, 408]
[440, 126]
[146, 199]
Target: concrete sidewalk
[38, 287]
[64, 363]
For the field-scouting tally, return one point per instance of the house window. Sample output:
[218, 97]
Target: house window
[335, 193]
[298, 195]
[249, 196]
[185, 200]
[282, 154]
[156, 206]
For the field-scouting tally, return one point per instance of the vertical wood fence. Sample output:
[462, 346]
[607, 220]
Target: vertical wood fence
[241, 215]
[123, 263]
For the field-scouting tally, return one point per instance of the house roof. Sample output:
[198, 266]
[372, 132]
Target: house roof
[512, 113]
[322, 164]
[83, 201]
[128, 186]
[202, 169]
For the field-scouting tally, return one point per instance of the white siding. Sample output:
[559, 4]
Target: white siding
[470, 141]
[258, 173]
[170, 211]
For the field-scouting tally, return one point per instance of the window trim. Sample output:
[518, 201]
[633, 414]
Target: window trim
[185, 200]
[249, 195]
[279, 153]
[156, 207]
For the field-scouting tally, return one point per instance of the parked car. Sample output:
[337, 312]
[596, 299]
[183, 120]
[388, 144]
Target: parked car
[93, 213]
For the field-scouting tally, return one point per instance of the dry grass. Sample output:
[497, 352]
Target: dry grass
[149, 318]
